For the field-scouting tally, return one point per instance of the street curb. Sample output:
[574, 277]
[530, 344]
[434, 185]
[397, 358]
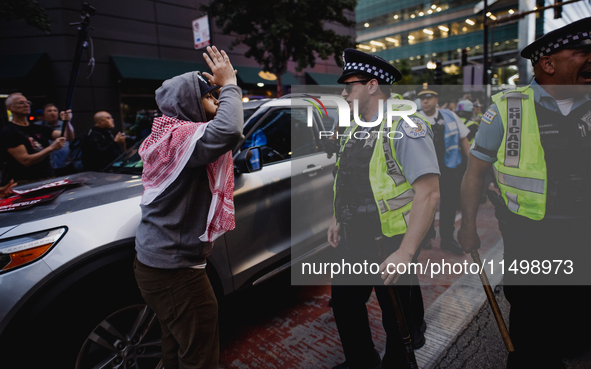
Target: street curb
[454, 309]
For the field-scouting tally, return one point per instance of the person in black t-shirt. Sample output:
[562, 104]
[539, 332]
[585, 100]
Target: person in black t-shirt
[101, 148]
[25, 147]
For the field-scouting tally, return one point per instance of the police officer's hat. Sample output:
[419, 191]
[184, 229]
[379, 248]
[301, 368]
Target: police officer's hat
[572, 36]
[373, 66]
[427, 91]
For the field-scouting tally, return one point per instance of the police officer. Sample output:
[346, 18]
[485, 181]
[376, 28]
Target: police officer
[537, 138]
[384, 187]
[465, 110]
[449, 136]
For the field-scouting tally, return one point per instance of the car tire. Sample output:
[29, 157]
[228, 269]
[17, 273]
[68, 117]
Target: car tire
[64, 333]
[128, 338]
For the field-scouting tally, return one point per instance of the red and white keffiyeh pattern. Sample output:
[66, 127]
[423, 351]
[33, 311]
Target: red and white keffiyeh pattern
[166, 151]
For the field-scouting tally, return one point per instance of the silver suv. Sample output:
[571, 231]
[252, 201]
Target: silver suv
[68, 294]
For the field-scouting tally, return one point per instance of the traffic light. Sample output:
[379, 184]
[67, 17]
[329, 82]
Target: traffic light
[464, 57]
[438, 78]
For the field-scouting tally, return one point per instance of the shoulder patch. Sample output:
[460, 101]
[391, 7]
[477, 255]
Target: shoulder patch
[415, 132]
[488, 116]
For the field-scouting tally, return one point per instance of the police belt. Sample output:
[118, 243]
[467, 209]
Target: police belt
[360, 220]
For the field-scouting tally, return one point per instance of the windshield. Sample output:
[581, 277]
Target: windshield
[128, 163]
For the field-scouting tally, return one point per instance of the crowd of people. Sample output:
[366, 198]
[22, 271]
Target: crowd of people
[41, 150]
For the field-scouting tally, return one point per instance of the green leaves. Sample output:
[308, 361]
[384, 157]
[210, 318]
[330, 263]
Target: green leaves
[278, 31]
[28, 10]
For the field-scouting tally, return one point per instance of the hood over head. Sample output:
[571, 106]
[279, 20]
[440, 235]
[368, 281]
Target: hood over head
[180, 98]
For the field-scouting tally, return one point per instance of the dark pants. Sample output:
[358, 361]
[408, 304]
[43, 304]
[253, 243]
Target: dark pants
[350, 311]
[187, 311]
[449, 189]
[547, 321]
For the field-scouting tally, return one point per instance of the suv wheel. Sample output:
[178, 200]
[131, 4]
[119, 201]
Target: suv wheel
[127, 339]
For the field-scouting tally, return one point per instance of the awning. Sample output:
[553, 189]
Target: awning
[155, 69]
[324, 78]
[250, 75]
[20, 65]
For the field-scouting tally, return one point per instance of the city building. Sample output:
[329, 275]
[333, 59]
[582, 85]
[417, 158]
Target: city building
[418, 32]
[134, 46]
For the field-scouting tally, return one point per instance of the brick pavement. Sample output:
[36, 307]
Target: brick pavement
[293, 327]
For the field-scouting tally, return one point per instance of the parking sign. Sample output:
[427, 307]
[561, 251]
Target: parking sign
[201, 32]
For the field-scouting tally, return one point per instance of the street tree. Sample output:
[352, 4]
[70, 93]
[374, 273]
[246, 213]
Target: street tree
[277, 31]
[27, 10]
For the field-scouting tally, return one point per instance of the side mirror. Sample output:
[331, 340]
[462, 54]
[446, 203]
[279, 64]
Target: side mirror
[249, 160]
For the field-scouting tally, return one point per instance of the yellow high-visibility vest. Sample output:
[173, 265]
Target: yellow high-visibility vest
[392, 192]
[520, 168]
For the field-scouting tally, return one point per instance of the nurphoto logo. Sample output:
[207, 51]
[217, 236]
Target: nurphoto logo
[394, 109]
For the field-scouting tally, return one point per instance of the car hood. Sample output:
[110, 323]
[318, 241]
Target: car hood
[97, 189]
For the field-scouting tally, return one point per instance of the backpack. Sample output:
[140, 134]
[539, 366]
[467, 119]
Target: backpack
[76, 150]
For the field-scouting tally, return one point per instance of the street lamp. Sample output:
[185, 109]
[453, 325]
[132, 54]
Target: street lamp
[431, 65]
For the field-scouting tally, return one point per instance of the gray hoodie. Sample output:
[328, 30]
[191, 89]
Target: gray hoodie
[168, 235]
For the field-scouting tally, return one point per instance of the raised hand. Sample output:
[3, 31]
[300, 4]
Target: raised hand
[66, 115]
[219, 63]
[120, 137]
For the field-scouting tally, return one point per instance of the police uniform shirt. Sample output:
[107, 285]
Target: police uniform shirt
[438, 125]
[437, 118]
[490, 136]
[414, 150]
[490, 132]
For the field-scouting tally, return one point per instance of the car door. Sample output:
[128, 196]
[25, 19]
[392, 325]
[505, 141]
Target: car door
[262, 201]
[294, 168]
[311, 186]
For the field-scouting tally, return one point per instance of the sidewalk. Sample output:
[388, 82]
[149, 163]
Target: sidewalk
[282, 326]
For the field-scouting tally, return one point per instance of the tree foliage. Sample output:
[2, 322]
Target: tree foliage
[27, 10]
[276, 31]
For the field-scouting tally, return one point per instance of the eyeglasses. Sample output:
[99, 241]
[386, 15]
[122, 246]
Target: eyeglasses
[349, 85]
[23, 103]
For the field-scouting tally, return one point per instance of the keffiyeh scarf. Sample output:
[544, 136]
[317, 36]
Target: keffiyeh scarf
[166, 151]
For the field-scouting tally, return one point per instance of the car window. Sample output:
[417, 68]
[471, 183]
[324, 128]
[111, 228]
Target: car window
[302, 136]
[329, 123]
[129, 162]
[248, 113]
[273, 135]
[284, 133]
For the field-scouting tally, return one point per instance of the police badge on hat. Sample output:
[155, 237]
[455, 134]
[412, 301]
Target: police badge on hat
[427, 91]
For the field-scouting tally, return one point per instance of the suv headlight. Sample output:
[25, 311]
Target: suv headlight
[21, 250]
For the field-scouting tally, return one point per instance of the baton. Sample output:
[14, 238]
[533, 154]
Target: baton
[493, 303]
[402, 327]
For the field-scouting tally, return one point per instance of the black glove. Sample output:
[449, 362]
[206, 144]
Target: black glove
[331, 147]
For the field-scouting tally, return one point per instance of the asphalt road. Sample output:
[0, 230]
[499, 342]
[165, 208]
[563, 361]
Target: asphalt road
[480, 345]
